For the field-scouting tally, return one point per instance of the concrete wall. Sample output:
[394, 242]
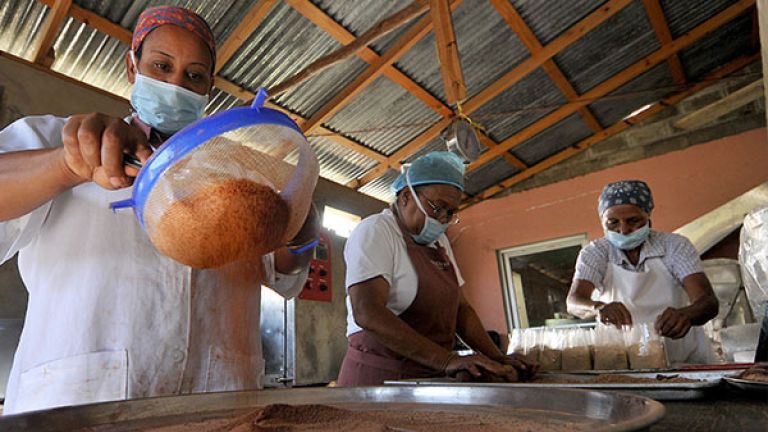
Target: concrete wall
[685, 184]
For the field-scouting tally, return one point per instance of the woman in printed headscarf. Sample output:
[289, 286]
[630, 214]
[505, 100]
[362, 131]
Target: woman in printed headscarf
[109, 317]
[404, 303]
[641, 275]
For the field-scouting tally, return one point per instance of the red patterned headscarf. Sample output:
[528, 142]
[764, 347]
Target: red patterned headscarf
[154, 17]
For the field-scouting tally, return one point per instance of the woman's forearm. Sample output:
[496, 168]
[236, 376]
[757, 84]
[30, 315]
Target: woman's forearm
[31, 178]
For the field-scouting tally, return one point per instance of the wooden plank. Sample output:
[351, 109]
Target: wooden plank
[378, 31]
[101, 24]
[568, 37]
[614, 129]
[729, 103]
[49, 30]
[317, 16]
[242, 32]
[532, 43]
[660, 26]
[374, 70]
[447, 51]
[616, 81]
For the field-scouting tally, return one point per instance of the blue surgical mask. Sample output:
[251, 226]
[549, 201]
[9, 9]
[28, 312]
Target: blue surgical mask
[432, 229]
[163, 106]
[629, 241]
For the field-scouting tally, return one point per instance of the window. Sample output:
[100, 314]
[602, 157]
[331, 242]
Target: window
[341, 222]
[536, 280]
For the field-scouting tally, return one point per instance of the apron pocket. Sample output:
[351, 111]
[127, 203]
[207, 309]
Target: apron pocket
[77, 380]
[233, 371]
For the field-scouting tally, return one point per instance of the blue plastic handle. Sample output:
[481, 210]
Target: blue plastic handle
[126, 203]
[258, 100]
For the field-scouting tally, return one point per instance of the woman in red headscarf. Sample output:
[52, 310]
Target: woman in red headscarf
[109, 317]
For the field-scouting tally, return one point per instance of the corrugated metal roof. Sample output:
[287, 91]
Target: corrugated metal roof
[549, 18]
[649, 87]
[19, 22]
[562, 135]
[530, 99]
[379, 188]
[717, 48]
[683, 15]
[92, 57]
[488, 175]
[480, 33]
[437, 144]
[339, 163]
[620, 41]
[384, 116]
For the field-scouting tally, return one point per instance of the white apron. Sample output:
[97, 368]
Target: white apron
[647, 294]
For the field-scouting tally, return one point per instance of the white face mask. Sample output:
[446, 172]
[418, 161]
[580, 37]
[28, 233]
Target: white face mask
[163, 106]
[432, 228]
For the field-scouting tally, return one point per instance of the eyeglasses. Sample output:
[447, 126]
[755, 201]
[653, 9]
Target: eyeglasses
[443, 214]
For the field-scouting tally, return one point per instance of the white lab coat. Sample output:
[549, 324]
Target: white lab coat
[109, 317]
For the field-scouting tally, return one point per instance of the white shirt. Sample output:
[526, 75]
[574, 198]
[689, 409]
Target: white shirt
[109, 317]
[376, 247]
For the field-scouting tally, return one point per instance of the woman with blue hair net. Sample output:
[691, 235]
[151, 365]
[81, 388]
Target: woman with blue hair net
[644, 276]
[404, 300]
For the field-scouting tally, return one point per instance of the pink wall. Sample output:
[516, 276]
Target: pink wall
[685, 185]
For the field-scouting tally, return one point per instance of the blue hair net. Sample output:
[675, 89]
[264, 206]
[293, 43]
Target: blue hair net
[433, 168]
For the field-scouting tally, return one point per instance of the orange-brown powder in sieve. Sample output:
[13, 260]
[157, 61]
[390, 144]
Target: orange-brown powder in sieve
[226, 221]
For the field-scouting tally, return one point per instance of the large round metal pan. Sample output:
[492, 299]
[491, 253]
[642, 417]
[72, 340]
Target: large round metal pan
[585, 410]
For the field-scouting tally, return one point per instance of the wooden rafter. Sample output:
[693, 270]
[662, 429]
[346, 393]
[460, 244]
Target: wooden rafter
[614, 129]
[659, 23]
[321, 19]
[374, 70]
[616, 81]
[49, 31]
[240, 34]
[379, 30]
[447, 51]
[532, 43]
[568, 37]
[729, 103]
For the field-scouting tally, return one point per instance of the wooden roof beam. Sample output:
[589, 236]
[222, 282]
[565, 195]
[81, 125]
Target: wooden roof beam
[613, 130]
[379, 30]
[447, 51]
[729, 103]
[417, 32]
[532, 43]
[567, 38]
[242, 32]
[49, 31]
[659, 23]
[616, 81]
[317, 16]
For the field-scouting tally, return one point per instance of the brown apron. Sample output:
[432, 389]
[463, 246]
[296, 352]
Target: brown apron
[432, 314]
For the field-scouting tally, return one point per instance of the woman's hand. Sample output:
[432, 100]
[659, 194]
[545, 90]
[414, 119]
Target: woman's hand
[526, 368]
[614, 314]
[478, 367]
[94, 145]
[673, 323]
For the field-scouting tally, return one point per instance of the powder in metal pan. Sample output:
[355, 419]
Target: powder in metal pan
[222, 222]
